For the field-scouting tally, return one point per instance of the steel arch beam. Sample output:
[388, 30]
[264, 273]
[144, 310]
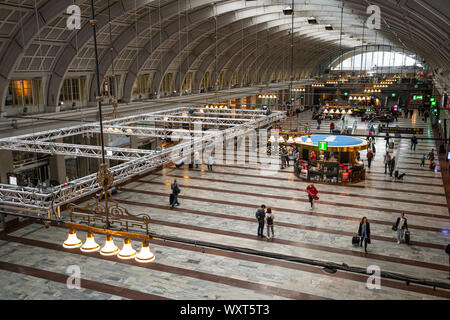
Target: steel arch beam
[147, 54]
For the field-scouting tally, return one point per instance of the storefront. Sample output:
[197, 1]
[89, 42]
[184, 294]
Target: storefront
[330, 158]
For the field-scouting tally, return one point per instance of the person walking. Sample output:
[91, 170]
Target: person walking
[369, 157]
[319, 122]
[197, 160]
[413, 142]
[175, 192]
[431, 156]
[400, 226]
[392, 166]
[260, 216]
[331, 126]
[364, 233]
[210, 163]
[387, 162]
[387, 140]
[283, 159]
[269, 221]
[312, 194]
[422, 164]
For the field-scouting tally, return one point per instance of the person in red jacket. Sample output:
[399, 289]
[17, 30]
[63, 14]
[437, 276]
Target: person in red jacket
[312, 193]
[331, 126]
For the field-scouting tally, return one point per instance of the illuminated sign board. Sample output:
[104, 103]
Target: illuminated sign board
[323, 145]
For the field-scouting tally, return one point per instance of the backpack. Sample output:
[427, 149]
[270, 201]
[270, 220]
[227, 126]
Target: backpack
[269, 221]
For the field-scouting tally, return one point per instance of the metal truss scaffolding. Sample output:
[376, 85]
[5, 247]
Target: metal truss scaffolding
[223, 124]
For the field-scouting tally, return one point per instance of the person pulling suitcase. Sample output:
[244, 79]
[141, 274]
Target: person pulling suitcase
[401, 226]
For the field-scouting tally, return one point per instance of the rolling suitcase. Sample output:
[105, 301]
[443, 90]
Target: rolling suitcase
[171, 199]
[355, 241]
[407, 237]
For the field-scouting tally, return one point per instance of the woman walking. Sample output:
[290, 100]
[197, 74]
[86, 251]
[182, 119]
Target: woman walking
[312, 193]
[364, 233]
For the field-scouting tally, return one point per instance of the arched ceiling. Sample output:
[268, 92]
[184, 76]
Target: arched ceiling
[182, 36]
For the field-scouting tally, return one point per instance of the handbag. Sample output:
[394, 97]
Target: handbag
[394, 227]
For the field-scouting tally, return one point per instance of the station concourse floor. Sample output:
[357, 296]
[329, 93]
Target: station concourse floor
[219, 207]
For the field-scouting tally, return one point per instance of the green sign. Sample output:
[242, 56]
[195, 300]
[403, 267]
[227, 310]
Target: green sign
[345, 93]
[432, 99]
[433, 103]
[393, 94]
[323, 145]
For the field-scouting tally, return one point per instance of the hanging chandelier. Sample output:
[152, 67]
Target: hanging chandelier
[110, 214]
[267, 96]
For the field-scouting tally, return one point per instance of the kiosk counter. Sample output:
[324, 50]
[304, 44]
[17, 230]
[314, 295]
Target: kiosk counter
[330, 158]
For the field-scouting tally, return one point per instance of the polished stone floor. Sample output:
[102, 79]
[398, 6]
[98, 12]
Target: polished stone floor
[219, 207]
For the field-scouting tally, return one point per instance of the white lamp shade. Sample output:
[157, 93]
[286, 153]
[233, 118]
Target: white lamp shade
[90, 245]
[72, 240]
[280, 139]
[145, 255]
[298, 139]
[290, 140]
[127, 251]
[308, 140]
[110, 248]
[272, 138]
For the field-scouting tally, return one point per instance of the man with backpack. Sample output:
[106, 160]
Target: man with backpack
[269, 221]
[175, 192]
[260, 216]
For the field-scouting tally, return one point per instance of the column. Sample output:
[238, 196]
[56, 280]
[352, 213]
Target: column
[134, 142]
[6, 165]
[57, 165]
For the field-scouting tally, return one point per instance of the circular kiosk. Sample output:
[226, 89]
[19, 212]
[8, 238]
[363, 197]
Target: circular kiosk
[330, 158]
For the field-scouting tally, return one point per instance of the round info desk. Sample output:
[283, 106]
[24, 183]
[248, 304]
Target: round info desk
[330, 158]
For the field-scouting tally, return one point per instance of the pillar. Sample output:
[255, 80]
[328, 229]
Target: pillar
[58, 168]
[252, 101]
[6, 165]
[134, 142]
